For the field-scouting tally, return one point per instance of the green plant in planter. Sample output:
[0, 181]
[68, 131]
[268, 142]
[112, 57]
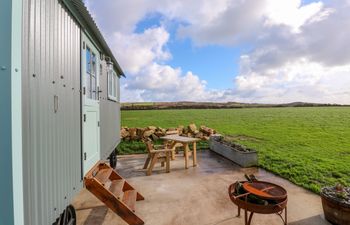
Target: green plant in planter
[338, 193]
[341, 192]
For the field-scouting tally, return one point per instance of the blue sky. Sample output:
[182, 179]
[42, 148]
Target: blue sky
[210, 62]
[265, 51]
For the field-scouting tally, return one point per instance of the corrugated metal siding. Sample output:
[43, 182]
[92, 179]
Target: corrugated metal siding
[109, 118]
[51, 141]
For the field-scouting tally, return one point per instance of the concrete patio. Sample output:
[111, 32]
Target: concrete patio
[194, 196]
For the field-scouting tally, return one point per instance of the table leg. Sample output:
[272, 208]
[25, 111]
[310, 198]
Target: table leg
[194, 154]
[168, 162]
[186, 150]
[173, 147]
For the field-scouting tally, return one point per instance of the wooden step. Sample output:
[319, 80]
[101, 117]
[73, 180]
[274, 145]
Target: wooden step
[103, 175]
[108, 184]
[114, 191]
[117, 187]
[129, 198]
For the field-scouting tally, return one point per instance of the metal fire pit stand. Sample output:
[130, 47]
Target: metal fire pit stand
[242, 202]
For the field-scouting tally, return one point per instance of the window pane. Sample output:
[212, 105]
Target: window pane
[93, 64]
[114, 85]
[109, 83]
[88, 60]
[88, 85]
[117, 89]
[93, 87]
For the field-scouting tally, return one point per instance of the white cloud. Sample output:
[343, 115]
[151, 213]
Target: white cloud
[302, 80]
[159, 82]
[291, 13]
[298, 52]
[135, 51]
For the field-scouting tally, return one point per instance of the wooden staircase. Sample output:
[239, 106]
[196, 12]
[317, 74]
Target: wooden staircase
[114, 191]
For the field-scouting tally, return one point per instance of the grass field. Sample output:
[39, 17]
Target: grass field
[308, 146]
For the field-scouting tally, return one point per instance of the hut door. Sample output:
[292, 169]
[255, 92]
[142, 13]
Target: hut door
[91, 106]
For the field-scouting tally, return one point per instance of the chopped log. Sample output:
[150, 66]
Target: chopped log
[205, 138]
[148, 133]
[207, 130]
[192, 127]
[124, 133]
[159, 133]
[199, 135]
[180, 129]
[171, 132]
[152, 128]
[154, 137]
[132, 132]
[139, 132]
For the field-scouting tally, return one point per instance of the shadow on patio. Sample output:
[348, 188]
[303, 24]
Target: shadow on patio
[194, 196]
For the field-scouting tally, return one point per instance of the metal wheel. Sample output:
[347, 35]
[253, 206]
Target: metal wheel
[71, 217]
[113, 160]
[68, 217]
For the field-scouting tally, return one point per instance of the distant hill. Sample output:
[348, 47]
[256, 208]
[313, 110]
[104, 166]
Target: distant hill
[213, 105]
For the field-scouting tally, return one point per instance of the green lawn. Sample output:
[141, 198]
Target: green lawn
[308, 146]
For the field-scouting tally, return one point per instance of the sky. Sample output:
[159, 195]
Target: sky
[253, 51]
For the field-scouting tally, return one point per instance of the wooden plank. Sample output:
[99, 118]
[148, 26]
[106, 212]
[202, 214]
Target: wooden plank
[129, 198]
[117, 187]
[108, 184]
[180, 139]
[93, 170]
[103, 175]
[153, 162]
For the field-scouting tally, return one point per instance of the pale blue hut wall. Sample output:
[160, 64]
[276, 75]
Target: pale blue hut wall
[51, 139]
[110, 116]
[11, 189]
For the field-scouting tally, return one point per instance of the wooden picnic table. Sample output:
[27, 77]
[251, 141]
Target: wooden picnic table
[185, 141]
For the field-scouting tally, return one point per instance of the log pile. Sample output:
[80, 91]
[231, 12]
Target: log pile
[154, 133]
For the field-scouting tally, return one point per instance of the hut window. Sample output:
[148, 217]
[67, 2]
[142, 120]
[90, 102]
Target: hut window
[112, 85]
[91, 74]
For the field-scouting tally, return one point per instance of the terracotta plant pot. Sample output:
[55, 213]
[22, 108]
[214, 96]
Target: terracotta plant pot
[335, 211]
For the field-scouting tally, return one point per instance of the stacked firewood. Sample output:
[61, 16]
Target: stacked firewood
[154, 133]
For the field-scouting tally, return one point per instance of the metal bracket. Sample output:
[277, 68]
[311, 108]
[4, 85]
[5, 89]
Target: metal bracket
[84, 155]
[84, 117]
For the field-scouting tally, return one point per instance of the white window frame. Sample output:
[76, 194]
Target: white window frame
[113, 92]
[92, 71]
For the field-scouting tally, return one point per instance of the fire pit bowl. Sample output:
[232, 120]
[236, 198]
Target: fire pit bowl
[276, 206]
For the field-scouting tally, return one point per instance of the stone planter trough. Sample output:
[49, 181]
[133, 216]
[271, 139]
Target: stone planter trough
[244, 159]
